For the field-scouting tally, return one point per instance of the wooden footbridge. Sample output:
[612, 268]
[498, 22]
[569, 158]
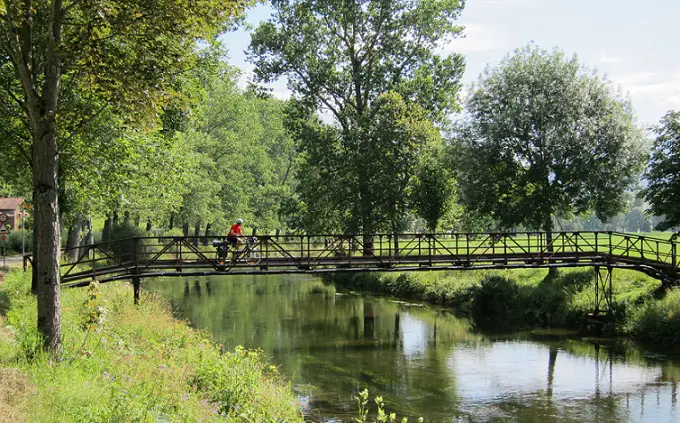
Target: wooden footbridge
[145, 257]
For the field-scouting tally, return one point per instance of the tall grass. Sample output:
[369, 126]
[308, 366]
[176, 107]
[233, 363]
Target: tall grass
[126, 363]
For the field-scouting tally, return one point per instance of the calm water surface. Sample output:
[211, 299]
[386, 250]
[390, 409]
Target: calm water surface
[423, 360]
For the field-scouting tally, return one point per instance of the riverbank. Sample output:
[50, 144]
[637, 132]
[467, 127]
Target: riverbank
[507, 300]
[127, 363]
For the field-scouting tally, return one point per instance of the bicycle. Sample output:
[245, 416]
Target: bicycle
[250, 253]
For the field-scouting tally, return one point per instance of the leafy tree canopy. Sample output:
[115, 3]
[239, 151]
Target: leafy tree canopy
[364, 65]
[663, 173]
[544, 137]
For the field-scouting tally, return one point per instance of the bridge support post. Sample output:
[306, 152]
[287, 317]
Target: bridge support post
[137, 287]
[603, 289]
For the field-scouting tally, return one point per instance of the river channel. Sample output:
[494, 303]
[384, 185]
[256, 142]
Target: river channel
[423, 360]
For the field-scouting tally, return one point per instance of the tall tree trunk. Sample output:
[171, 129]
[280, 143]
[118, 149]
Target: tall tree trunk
[126, 217]
[106, 232]
[73, 239]
[46, 218]
[171, 225]
[149, 225]
[34, 260]
[115, 222]
[366, 219]
[89, 237]
[548, 228]
[208, 226]
[185, 229]
[197, 232]
[40, 86]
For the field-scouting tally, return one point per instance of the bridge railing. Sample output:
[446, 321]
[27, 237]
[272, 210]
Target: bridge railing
[146, 254]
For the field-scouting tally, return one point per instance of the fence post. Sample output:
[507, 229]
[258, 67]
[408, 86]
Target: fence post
[467, 248]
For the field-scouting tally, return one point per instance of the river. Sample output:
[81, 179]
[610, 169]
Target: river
[423, 360]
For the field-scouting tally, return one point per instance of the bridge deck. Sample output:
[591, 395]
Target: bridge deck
[189, 256]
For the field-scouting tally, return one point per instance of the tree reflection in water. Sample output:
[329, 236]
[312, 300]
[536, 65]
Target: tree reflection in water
[423, 360]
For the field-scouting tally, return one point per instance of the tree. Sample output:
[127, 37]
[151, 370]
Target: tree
[663, 173]
[340, 57]
[400, 138]
[72, 59]
[241, 158]
[546, 137]
[433, 190]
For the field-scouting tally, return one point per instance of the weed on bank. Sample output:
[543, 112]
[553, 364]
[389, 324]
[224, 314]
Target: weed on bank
[127, 363]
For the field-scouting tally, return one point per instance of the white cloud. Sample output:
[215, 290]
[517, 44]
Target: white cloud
[477, 38]
[665, 88]
[497, 3]
[653, 93]
[605, 57]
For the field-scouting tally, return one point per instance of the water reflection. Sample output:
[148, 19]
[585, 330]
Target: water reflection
[424, 361]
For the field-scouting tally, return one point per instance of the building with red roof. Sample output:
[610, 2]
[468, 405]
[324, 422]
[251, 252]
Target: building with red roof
[12, 207]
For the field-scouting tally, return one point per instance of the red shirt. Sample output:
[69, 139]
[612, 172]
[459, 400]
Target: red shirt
[235, 230]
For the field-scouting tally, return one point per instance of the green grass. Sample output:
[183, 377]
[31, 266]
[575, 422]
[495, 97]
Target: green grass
[126, 363]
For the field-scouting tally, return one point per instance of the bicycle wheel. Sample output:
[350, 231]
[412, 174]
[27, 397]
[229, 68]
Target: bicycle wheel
[254, 257]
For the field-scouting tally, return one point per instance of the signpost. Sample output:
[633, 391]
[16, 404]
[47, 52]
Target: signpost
[4, 231]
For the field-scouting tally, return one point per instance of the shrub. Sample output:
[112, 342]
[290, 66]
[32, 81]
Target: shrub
[497, 300]
[122, 250]
[658, 322]
[14, 241]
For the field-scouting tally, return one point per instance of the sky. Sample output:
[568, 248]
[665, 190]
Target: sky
[635, 43]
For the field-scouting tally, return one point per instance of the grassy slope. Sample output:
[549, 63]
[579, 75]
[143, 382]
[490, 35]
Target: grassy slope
[511, 299]
[127, 363]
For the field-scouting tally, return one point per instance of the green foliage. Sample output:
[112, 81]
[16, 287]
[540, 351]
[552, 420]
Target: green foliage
[433, 190]
[15, 239]
[122, 241]
[137, 365]
[663, 189]
[239, 160]
[657, 322]
[382, 84]
[369, 47]
[497, 299]
[382, 416]
[546, 137]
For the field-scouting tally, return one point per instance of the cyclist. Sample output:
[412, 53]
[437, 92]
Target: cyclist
[235, 235]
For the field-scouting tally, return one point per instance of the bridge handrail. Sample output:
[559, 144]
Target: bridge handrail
[140, 255]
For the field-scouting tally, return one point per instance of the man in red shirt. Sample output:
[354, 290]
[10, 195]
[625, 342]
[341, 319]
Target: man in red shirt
[235, 235]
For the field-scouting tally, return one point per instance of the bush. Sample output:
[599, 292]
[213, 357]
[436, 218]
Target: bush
[497, 300]
[122, 250]
[14, 241]
[658, 322]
